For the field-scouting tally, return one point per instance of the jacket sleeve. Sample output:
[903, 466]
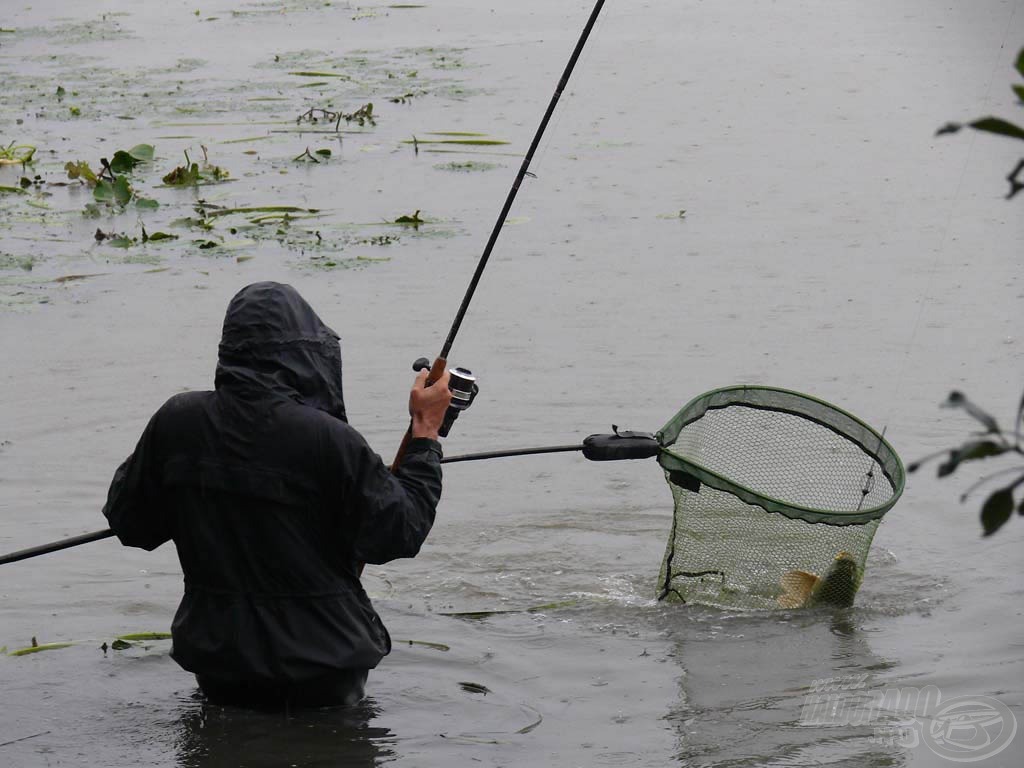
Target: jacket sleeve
[393, 513]
[134, 507]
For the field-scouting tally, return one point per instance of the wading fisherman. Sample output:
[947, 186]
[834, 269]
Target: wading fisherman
[274, 502]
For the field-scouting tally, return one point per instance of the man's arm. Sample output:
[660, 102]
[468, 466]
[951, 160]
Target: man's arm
[396, 511]
[134, 505]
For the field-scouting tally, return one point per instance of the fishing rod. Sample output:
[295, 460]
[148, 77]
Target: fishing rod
[438, 367]
[613, 447]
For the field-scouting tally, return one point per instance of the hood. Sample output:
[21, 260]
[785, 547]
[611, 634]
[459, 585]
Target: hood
[273, 343]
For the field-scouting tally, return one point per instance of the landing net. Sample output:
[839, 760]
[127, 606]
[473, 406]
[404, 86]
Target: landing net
[777, 498]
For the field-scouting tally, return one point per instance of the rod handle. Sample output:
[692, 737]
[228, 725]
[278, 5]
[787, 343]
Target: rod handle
[436, 372]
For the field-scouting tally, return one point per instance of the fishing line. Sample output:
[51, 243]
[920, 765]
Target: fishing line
[559, 117]
[940, 252]
[437, 369]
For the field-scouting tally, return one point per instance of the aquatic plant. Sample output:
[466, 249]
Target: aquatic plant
[17, 154]
[1000, 127]
[993, 441]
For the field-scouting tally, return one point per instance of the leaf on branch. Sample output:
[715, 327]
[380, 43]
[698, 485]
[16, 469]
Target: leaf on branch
[998, 126]
[975, 449]
[959, 400]
[996, 510]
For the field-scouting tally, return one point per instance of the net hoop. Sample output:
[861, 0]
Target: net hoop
[877, 451]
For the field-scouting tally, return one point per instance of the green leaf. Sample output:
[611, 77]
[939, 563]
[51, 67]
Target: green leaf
[1020, 62]
[122, 162]
[104, 191]
[120, 645]
[183, 176]
[37, 648]
[146, 635]
[998, 126]
[122, 190]
[146, 203]
[158, 236]
[996, 510]
[142, 152]
[81, 170]
[125, 160]
[975, 449]
[323, 152]
[121, 241]
[1019, 90]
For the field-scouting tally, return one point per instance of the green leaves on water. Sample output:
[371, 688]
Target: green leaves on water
[362, 116]
[317, 157]
[111, 186]
[37, 648]
[125, 160]
[17, 154]
[186, 175]
[413, 221]
[81, 171]
[190, 174]
[120, 643]
[116, 192]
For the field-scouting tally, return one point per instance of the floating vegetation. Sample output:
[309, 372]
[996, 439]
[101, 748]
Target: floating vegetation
[464, 141]
[413, 221]
[361, 116]
[501, 611]
[137, 636]
[468, 166]
[322, 154]
[125, 160]
[17, 154]
[36, 648]
[425, 644]
[321, 74]
[213, 210]
[380, 240]
[474, 688]
[189, 175]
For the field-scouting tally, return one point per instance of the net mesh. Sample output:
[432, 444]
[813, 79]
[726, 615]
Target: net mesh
[777, 498]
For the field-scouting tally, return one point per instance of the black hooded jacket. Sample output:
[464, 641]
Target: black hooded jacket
[273, 500]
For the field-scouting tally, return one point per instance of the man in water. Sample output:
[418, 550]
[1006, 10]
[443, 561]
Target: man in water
[274, 503]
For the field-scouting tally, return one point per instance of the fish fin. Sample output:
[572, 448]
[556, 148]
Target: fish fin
[797, 587]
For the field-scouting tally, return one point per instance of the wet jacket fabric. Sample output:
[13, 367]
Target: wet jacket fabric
[272, 501]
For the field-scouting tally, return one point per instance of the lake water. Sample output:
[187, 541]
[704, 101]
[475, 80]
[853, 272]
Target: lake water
[830, 244]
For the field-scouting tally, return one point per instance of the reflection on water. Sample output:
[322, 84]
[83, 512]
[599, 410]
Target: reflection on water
[212, 736]
[748, 680]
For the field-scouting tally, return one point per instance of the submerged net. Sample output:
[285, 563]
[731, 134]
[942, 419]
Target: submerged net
[777, 498]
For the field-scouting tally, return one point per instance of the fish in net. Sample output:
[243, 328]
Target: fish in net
[777, 498]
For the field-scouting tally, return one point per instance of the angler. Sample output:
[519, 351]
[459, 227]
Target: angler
[274, 503]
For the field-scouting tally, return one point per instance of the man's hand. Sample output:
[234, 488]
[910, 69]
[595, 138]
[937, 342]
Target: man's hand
[427, 405]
